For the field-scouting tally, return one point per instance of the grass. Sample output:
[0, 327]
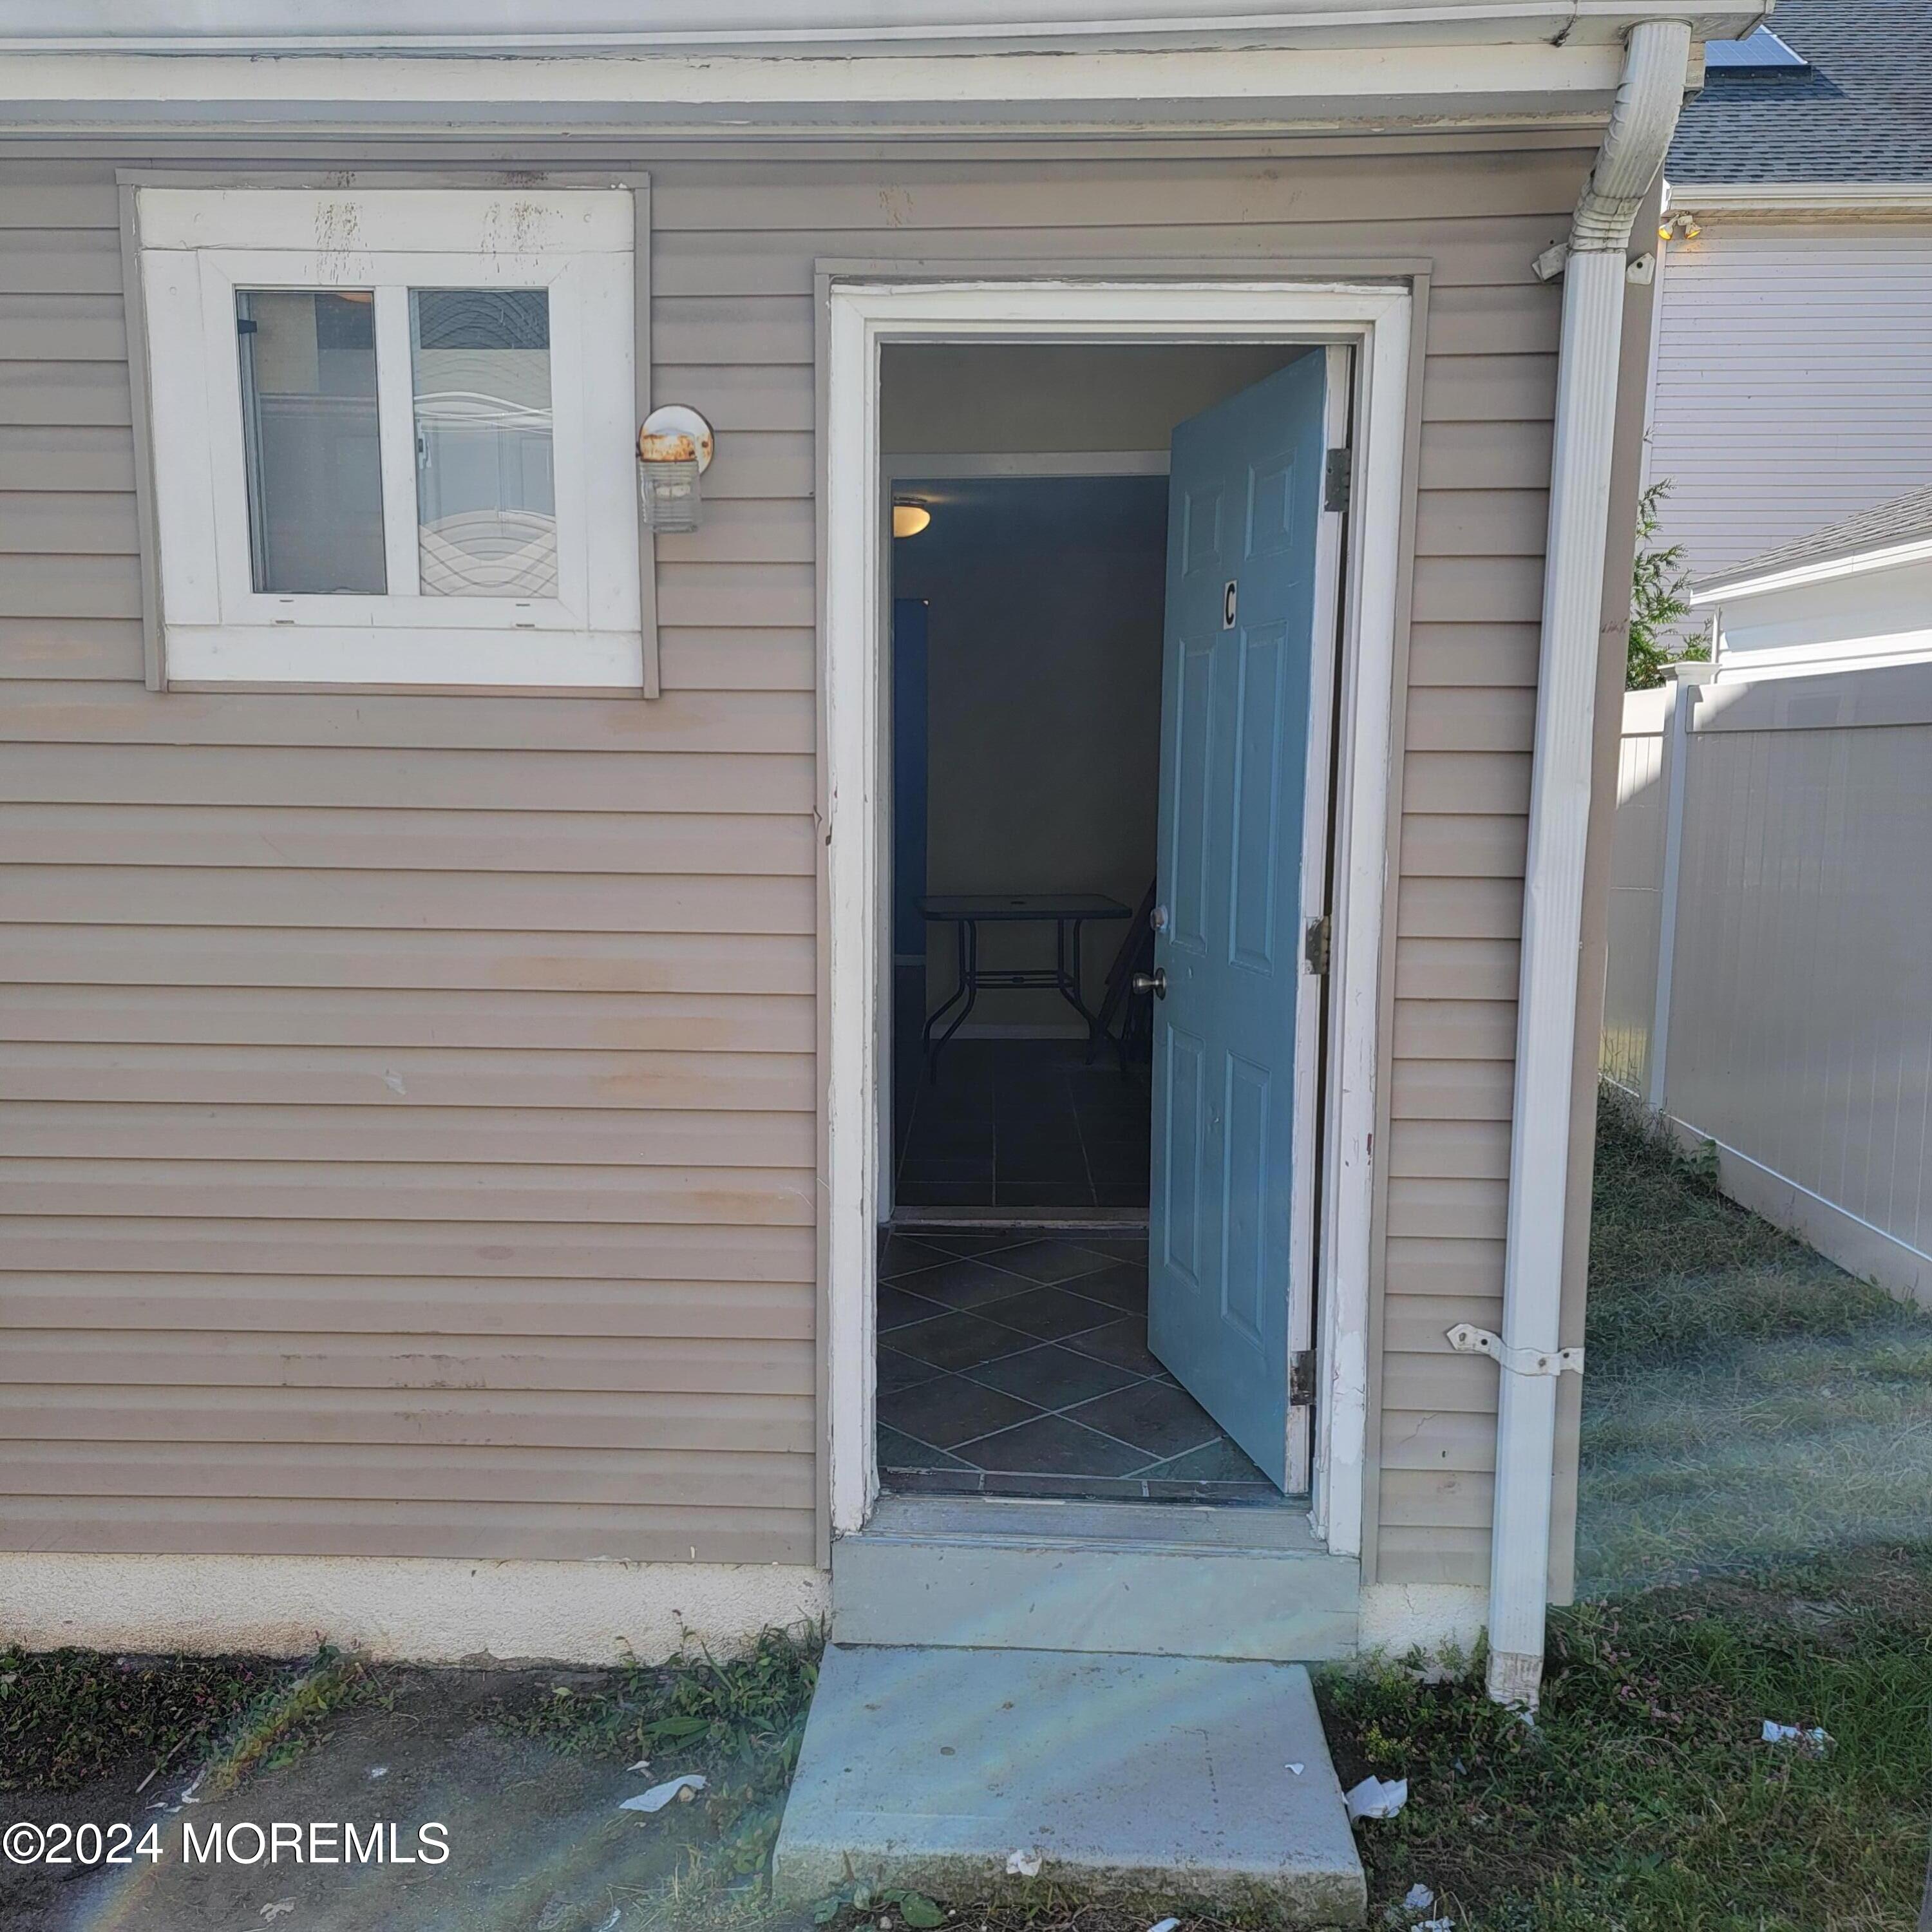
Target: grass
[1644, 1796]
[1677, 1270]
[1755, 1526]
[738, 1722]
[1746, 1401]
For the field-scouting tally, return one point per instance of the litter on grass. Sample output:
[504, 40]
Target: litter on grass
[659, 1795]
[1418, 1898]
[642, 1764]
[1023, 1864]
[1815, 1742]
[379, 1771]
[616, 1913]
[1377, 1798]
[276, 1909]
[1164, 1925]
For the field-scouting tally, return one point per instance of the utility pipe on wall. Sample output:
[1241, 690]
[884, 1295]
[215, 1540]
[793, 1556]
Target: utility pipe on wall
[1649, 98]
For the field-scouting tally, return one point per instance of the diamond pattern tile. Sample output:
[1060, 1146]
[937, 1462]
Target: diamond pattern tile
[992, 1382]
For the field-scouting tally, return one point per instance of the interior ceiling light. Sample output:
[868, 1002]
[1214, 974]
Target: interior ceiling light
[909, 519]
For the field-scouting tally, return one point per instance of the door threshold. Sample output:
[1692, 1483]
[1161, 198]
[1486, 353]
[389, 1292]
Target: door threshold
[982, 1220]
[1283, 1531]
[1169, 1492]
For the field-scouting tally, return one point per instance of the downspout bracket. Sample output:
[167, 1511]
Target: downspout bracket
[1466, 1339]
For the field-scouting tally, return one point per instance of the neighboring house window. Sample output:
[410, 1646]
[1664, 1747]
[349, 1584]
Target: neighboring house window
[392, 435]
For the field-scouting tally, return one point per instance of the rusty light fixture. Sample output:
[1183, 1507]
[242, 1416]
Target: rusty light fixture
[674, 449]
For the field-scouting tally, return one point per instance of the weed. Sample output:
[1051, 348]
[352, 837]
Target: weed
[68, 1717]
[284, 1722]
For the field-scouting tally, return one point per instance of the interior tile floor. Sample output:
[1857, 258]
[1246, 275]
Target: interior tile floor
[1014, 1363]
[1022, 1123]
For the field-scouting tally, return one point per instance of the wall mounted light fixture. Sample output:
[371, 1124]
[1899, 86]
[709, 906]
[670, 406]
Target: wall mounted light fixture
[674, 449]
[1682, 226]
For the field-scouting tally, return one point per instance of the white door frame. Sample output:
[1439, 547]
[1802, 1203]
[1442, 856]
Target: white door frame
[865, 314]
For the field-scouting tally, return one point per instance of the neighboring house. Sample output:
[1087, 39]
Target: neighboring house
[1793, 383]
[1850, 598]
[449, 1002]
[1766, 985]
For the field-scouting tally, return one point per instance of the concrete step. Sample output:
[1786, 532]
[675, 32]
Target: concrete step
[1157, 1578]
[1163, 1780]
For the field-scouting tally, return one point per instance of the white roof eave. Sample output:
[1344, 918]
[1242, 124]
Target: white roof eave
[1750, 583]
[768, 27]
[1377, 75]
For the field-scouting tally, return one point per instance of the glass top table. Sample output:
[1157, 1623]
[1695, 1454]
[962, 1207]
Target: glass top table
[967, 912]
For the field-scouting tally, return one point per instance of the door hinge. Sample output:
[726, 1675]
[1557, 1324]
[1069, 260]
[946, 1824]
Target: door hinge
[1301, 1378]
[1341, 467]
[1315, 946]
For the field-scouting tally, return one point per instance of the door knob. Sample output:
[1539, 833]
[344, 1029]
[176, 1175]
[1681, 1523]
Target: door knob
[1154, 982]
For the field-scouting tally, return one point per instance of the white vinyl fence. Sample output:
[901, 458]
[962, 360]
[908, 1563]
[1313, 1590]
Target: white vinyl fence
[1769, 985]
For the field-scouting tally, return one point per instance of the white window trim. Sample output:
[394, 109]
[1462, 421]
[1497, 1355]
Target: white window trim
[196, 246]
[864, 315]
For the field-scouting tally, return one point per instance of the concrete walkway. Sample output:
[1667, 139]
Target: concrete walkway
[1165, 1778]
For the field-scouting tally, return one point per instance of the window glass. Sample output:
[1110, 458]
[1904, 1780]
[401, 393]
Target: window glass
[486, 485]
[308, 417]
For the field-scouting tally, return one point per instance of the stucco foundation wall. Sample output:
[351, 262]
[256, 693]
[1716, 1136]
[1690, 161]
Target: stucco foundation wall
[424, 1610]
[408, 1137]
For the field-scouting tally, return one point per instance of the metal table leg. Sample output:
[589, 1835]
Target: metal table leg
[1067, 971]
[968, 989]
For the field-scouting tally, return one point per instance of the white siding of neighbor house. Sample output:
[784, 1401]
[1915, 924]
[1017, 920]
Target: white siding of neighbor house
[1793, 382]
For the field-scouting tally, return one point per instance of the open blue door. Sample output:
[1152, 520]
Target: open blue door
[1244, 509]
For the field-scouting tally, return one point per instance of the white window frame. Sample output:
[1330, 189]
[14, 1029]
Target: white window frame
[198, 246]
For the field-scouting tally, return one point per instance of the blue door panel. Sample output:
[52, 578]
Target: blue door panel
[1243, 511]
[1193, 723]
[1182, 1115]
[1246, 1275]
[1200, 523]
[1252, 893]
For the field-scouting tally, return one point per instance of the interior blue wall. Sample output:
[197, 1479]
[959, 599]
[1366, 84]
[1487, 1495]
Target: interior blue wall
[909, 776]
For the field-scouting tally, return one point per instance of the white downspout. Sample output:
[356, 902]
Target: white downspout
[1649, 98]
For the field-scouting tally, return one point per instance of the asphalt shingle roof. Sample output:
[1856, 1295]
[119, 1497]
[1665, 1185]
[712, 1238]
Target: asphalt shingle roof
[1902, 520]
[1863, 113]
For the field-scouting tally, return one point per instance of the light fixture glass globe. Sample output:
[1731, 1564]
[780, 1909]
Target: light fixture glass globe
[909, 519]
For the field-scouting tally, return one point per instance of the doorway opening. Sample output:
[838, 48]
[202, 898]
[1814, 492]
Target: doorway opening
[1050, 617]
[1240, 1184]
[1026, 667]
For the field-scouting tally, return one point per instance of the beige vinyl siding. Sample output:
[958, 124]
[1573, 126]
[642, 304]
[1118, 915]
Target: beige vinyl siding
[1794, 380]
[413, 1096]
